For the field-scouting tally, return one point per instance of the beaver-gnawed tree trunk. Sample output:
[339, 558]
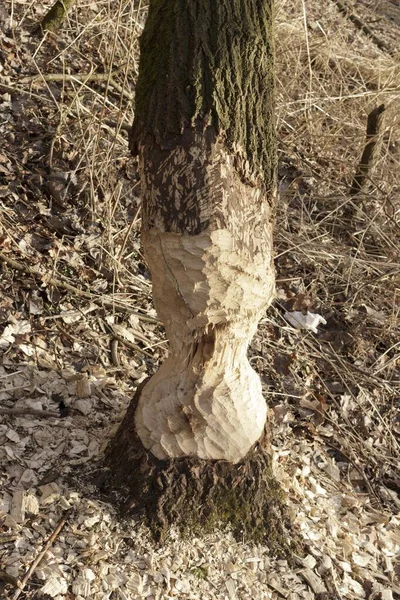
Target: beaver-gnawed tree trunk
[192, 449]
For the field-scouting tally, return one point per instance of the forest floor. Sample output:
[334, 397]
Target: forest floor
[78, 331]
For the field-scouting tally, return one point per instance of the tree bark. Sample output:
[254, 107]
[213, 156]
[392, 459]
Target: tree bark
[204, 132]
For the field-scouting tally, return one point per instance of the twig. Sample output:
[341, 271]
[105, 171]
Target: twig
[79, 77]
[114, 348]
[118, 338]
[114, 353]
[117, 125]
[371, 149]
[76, 291]
[375, 280]
[353, 462]
[67, 77]
[4, 87]
[18, 412]
[41, 554]
[121, 89]
[19, 90]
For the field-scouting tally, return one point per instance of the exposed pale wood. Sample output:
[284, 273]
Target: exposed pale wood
[210, 291]
[205, 134]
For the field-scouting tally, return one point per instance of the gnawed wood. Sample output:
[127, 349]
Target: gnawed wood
[192, 449]
[209, 249]
[204, 131]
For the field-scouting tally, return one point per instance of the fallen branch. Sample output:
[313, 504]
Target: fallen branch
[41, 554]
[371, 150]
[124, 126]
[128, 344]
[81, 77]
[67, 77]
[121, 89]
[20, 412]
[346, 11]
[102, 303]
[19, 90]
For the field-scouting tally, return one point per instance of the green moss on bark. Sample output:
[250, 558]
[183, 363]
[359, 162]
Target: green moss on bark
[53, 20]
[203, 63]
[198, 496]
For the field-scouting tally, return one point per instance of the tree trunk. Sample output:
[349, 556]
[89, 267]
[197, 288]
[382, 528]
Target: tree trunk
[204, 131]
[205, 135]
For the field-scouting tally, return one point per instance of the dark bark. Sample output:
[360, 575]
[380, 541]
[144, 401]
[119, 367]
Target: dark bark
[196, 496]
[209, 66]
[205, 134]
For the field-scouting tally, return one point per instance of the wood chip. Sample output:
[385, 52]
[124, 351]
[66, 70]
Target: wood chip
[313, 581]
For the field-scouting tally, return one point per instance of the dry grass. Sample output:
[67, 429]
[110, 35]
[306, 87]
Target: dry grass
[337, 253]
[340, 252]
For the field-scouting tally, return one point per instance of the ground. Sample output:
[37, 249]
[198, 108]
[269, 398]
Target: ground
[78, 332]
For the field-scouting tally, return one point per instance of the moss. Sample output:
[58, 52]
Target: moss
[53, 20]
[200, 572]
[202, 500]
[250, 513]
[211, 63]
[231, 507]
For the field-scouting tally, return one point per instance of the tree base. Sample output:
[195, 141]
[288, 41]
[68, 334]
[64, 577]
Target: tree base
[197, 496]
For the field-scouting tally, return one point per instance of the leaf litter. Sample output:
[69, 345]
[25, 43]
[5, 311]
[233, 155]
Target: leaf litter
[78, 331]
